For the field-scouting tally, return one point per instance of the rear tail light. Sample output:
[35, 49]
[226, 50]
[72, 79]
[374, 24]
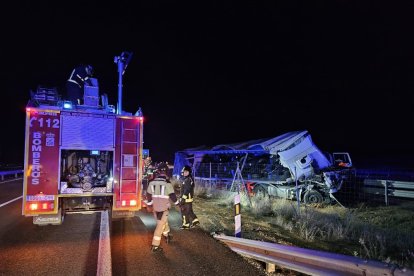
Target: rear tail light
[126, 203]
[48, 206]
[41, 206]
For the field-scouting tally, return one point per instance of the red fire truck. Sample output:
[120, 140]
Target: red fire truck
[80, 158]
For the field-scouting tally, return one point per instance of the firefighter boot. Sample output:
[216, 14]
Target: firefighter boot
[168, 238]
[195, 223]
[156, 249]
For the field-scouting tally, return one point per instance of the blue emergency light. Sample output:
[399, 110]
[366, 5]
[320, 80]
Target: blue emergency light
[67, 105]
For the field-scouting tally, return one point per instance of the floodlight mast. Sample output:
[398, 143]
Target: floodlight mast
[122, 61]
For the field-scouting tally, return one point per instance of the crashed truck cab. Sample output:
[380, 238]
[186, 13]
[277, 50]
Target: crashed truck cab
[318, 174]
[80, 158]
[279, 166]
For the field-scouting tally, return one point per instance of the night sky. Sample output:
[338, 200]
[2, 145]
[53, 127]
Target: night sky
[208, 73]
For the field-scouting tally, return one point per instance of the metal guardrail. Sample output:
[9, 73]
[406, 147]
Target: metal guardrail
[389, 188]
[15, 172]
[309, 261]
[388, 174]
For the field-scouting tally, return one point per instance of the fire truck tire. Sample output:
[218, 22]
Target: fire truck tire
[312, 197]
[62, 210]
[62, 215]
[260, 191]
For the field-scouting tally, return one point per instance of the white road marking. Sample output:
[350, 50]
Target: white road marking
[10, 201]
[10, 180]
[104, 252]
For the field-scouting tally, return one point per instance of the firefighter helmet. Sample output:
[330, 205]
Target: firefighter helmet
[186, 168]
[162, 168]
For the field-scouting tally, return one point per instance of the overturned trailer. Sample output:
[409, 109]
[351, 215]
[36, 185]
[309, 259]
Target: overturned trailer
[287, 166]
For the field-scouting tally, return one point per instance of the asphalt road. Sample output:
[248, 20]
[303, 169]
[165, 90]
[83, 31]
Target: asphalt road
[72, 248]
[27, 249]
[191, 252]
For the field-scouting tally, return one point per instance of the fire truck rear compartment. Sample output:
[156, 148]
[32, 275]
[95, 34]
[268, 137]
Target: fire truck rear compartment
[86, 171]
[86, 180]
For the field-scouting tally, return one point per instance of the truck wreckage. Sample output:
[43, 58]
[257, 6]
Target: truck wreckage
[288, 166]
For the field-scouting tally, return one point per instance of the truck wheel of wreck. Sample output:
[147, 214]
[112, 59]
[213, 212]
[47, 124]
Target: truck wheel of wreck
[260, 191]
[312, 197]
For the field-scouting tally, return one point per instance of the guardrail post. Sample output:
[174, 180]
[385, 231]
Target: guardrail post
[270, 267]
[385, 183]
[15, 175]
[209, 181]
[2, 177]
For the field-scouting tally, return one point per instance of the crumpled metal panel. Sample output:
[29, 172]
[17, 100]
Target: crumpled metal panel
[301, 158]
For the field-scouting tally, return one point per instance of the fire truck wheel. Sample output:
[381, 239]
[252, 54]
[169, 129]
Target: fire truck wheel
[62, 215]
[312, 197]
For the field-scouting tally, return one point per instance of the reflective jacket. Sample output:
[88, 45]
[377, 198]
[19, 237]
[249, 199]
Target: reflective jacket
[159, 194]
[79, 76]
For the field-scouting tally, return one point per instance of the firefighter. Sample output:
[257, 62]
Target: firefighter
[159, 193]
[76, 82]
[190, 220]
